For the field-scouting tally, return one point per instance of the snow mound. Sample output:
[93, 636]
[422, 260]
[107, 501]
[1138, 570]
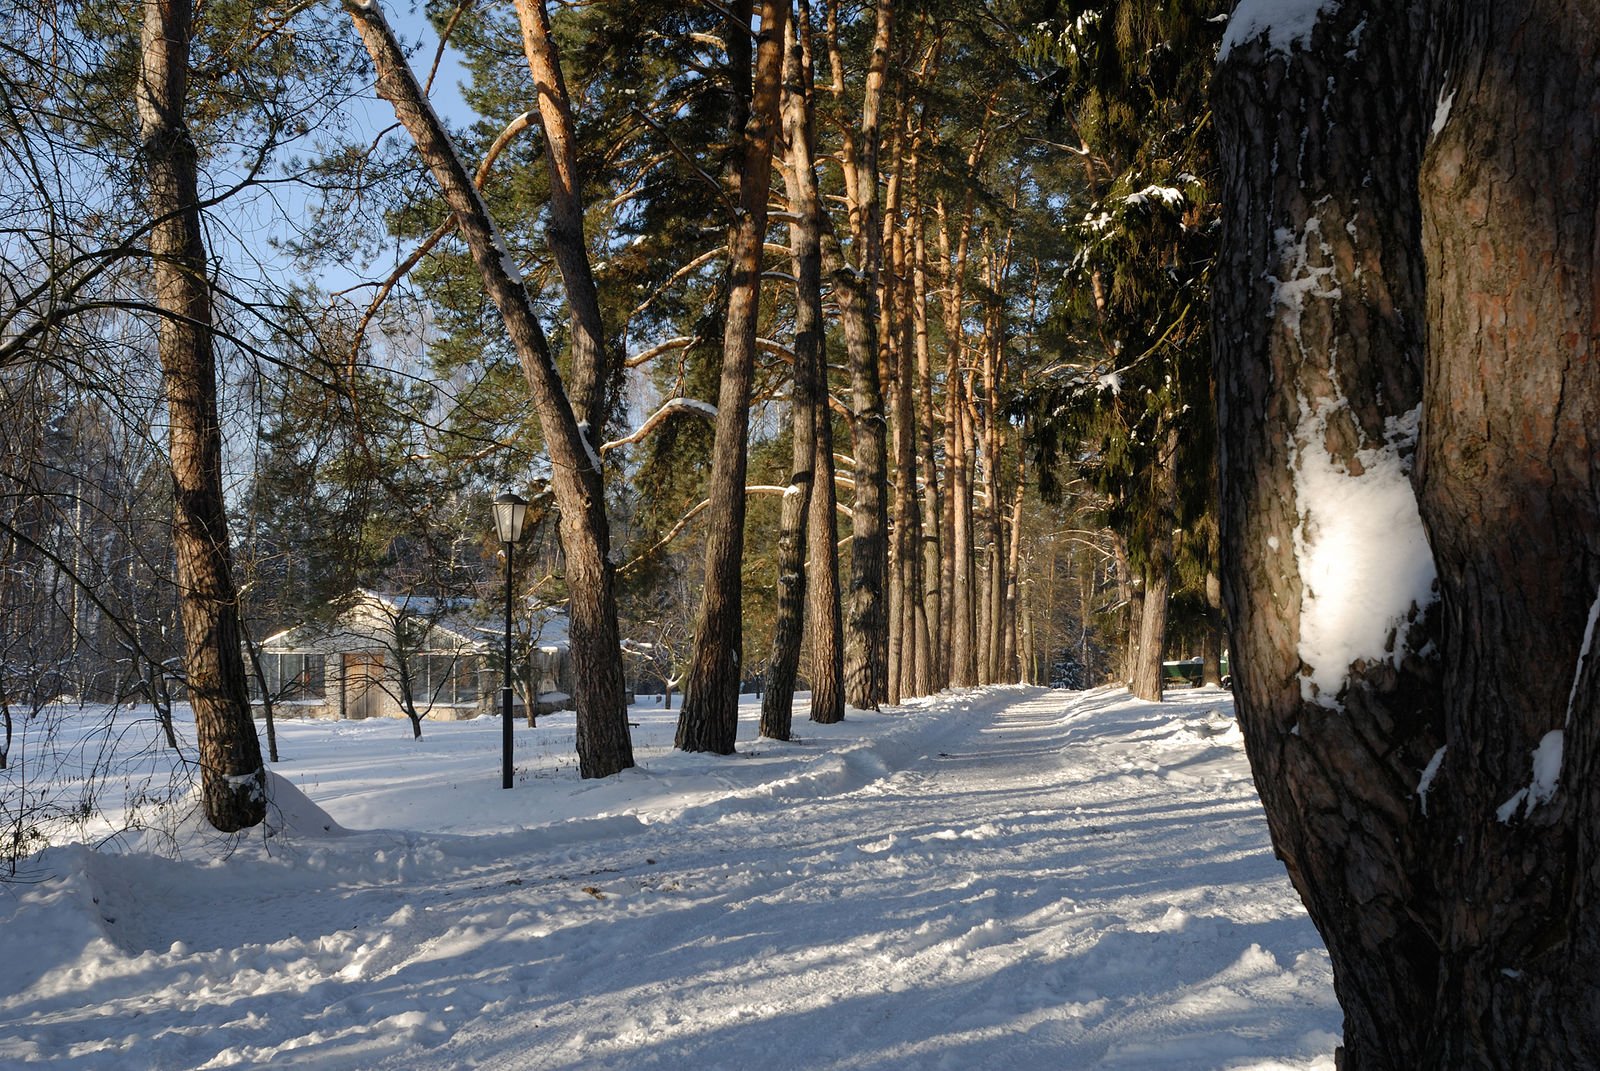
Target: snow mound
[184, 832]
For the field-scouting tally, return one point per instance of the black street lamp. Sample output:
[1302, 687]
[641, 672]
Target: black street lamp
[509, 513]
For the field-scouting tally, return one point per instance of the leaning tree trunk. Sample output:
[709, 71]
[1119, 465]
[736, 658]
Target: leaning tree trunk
[232, 777]
[777, 701]
[591, 372]
[709, 720]
[1408, 277]
[604, 746]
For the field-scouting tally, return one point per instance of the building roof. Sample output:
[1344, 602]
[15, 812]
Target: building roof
[451, 625]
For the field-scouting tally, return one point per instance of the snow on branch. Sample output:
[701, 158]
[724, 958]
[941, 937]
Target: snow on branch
[689, 268]
[680, 343]
[670, 406]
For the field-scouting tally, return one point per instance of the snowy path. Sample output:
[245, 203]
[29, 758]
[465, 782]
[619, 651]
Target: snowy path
[1008, 879]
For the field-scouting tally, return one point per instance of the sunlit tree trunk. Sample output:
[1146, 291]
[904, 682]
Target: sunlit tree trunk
[232, 776]
[1412, 207]
[866, 623]
[1010, 649]
[604, 746]
[710, 716]
[809, 393]
[823, 617]
[824, 622]
[591, 373]
[932, 672]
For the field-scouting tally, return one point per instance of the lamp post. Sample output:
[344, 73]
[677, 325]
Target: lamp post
[509, 513]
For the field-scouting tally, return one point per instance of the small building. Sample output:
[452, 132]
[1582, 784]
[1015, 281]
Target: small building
[381, 650]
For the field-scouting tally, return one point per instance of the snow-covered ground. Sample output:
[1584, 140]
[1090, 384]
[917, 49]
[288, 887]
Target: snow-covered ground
[1006, 878]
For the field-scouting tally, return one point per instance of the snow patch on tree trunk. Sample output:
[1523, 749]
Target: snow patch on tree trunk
[1285, 23]
[1363, 558]
[1364, 561]
[1546, 777]
[1426, 781]
[1583, 655]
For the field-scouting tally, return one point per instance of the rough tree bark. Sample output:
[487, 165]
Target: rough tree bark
[710, 717]
[823, 615]
[777, 701]
[604, 747]
[1508, 473]
[1145, 680]
[931, 612]
[823, 618]
[1412, 223]
[867, 618]
[232, 777]
[591, 374]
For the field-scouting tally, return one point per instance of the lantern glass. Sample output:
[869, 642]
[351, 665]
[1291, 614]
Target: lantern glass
[509, 513]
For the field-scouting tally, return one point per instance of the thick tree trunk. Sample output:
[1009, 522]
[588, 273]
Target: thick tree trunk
[1509, 489]
[777, 702]
[232, 777]
[710, 717]
[1145, 680]
[1318, 343]
[1411, 230]
[866, 622]
[604, 747]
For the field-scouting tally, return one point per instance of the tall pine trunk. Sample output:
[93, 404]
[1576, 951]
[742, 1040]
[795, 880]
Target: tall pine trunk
[232, 777]
[824, 620]
[591, 373]
[963, 608]
[710, 716]
[867, 617]
[604, 746]
[823, 613]
[777, 701]
[933, 671]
